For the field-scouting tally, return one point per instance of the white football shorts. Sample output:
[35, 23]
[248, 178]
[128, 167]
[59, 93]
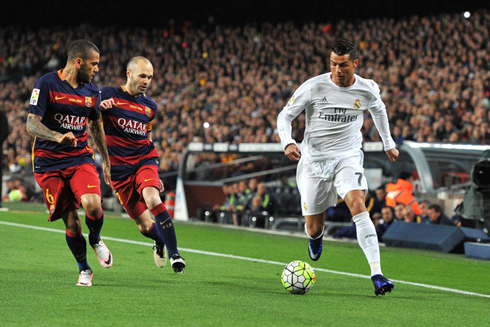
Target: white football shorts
[319, 182]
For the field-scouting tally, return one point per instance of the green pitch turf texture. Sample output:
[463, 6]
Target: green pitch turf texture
[232, 279]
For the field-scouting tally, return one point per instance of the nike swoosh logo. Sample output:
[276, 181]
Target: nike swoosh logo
[149, 179]
[58, 98]
[91, 186]
[120, 103]
[163, 222]
[312, 255]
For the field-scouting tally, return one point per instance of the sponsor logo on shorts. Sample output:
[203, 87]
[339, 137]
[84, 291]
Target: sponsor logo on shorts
[91, 186]
[305, 206]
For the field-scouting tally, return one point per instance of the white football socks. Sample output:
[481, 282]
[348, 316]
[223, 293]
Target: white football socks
[368, 241]
[314, 238]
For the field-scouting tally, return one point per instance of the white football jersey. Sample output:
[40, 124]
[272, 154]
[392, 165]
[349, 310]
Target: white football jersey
[334, 117]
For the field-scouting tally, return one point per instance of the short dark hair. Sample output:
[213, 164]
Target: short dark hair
[405, 175]
[81, 49]
[437, 208]
[344, 47]
[391, 209]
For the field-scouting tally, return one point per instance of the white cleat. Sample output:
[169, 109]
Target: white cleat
[85, 278]
[103, 254]
[160, 255]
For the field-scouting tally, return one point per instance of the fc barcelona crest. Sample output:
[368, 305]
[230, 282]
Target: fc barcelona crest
[148, 111]
[88, 102]
[357, 104]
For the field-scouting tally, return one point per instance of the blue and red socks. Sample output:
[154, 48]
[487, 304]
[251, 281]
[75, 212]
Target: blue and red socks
[154, 235]
[165, 226]
[78, 246]
[94, 225]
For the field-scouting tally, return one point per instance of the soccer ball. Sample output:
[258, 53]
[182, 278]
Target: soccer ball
[15, 196]
[298, 277]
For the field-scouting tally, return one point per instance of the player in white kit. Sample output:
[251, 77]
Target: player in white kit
[330, 158]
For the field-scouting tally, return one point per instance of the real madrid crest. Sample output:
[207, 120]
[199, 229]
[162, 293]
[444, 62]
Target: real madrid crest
[357, 104]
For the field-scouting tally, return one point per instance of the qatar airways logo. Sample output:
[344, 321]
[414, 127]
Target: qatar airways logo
[70, 122]
[131, 126]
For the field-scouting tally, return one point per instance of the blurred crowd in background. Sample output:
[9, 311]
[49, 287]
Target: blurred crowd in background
[433, 72]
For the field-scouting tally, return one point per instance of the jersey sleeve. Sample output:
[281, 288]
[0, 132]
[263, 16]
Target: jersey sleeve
[296, 105]
[105, 93]
[377, 109]
[39, 98]
[95, 114]
[154, 108]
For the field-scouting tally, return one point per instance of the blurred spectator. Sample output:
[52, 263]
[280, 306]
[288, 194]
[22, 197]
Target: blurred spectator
[388, 218]
[399, 211]
[18, 189]
[401, 192]
[424, 214]
[410, 216]
[268, 199]
[252, 185]
[4, 132]
[437, 216]
[380, 193]
[248, 73]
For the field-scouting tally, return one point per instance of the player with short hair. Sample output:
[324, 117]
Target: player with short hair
[331, 159]
[62, 105]
[128, 113]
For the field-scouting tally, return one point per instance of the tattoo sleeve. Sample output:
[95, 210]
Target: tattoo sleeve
[36, 128]
[98, 135]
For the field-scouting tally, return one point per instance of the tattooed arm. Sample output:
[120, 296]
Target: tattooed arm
[38, 129]
[98, 135]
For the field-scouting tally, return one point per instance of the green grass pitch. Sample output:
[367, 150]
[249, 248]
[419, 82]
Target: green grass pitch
[232, 279]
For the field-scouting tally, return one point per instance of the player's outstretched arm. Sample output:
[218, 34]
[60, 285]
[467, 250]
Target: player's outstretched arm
[38, 129]
[98, 135]
[392, 154]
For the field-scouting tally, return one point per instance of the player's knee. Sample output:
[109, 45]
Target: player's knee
[93, 209]
[92, 205]
[73, 226]
[144, 225]
[314, 230]
[357, 207]
[152, 201]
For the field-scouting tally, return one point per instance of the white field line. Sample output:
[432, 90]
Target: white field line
[231, 256]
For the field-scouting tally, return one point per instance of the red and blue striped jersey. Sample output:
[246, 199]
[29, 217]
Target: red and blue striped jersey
[126, 127]
[63, 109]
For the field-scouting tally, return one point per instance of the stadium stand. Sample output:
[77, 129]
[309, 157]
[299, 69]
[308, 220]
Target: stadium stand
[434, 75]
